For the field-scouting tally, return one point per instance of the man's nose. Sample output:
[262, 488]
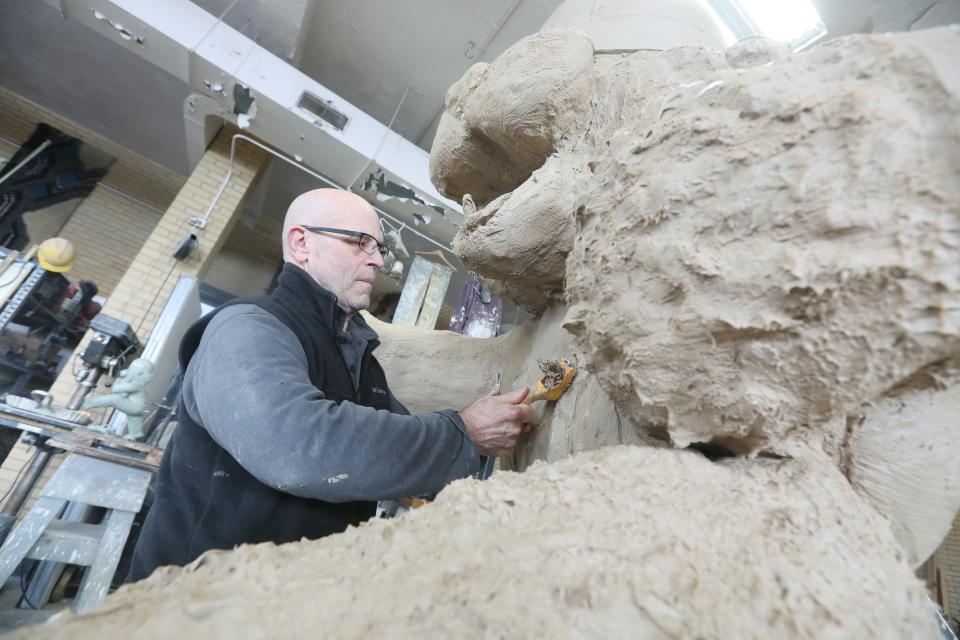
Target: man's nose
[375, 259]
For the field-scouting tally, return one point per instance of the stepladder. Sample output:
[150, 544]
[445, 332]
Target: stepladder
[42, 535]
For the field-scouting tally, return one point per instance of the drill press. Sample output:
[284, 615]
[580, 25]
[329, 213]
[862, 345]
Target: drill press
[112, 346]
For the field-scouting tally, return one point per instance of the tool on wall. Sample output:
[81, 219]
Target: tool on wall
[556, 379]
[186, 247]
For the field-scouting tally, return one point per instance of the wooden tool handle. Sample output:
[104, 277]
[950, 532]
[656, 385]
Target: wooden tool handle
[532, 397]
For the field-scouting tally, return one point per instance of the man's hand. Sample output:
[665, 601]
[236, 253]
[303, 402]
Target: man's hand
[494, 422]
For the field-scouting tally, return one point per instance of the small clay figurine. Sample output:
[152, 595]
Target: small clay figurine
[129, 396]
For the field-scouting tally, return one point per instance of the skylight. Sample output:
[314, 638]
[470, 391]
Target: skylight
[795, 22]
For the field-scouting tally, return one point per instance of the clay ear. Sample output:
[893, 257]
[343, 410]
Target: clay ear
[902, 453]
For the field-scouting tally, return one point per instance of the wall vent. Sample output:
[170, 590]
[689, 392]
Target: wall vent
[322, 109]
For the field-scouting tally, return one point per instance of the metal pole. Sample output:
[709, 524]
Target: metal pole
[200, 223]
[25, 484]
[33, 154]
[84, 386]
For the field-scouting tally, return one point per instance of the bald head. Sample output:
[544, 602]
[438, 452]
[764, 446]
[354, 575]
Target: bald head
[335, 259]
[327, 208]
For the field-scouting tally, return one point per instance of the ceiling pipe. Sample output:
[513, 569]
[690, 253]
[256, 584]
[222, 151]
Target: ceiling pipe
[201, 222]
[33, 154]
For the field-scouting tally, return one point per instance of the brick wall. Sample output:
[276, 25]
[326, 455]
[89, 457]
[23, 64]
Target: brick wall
[107, 227]
[107, 230]
[250, 256]
[131, 173]
[948, 561]
[126, 241]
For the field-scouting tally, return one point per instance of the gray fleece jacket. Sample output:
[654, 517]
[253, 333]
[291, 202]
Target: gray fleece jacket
[248, 386]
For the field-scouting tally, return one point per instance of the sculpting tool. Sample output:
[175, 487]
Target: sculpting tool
[556, 379]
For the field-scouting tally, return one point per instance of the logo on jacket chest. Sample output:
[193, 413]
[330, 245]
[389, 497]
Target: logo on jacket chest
[378, 390]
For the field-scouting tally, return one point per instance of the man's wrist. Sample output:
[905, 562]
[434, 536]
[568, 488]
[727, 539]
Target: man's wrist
[454, 416]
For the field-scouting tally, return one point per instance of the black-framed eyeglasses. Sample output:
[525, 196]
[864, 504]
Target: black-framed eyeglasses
[366, 242]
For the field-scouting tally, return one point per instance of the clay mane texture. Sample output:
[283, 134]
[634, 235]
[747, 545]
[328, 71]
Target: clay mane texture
[778, 246]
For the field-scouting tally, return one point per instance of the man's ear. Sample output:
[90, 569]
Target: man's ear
[297, 244]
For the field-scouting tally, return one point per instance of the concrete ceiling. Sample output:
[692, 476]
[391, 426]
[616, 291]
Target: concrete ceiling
[66, 68]
[376, 52]
[843, 17]
[371, 53]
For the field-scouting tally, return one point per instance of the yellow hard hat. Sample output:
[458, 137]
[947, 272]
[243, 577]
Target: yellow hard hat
[56, 254]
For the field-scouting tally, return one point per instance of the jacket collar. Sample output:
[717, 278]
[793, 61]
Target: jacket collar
[298, 287]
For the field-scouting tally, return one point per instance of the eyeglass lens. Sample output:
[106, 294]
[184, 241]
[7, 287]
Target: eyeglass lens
[369, 244]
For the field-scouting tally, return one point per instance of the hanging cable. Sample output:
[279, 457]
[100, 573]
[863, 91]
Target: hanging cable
[383, 138]
[201, 222]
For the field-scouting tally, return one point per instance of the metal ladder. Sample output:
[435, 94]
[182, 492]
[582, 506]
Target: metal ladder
[116, 487]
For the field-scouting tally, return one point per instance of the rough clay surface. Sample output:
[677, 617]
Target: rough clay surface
[537, 241]
[757, 242]
[517, 109]
[753, 52]
[433, 370]
[523, 230]
[779, 246]
[761, 249]
[765, 257]
[622, 542]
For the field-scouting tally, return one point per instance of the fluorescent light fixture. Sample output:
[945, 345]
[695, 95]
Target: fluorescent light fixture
[795, 22]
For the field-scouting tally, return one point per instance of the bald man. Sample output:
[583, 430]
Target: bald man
[287, 428]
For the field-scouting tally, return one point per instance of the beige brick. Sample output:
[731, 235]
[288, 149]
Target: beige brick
[138, 291]
[948, 559]
[131, 173]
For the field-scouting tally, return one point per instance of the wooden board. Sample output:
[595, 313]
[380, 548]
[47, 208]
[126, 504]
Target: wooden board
[433, 299]
[82, 440]
[423, 294]
[414, 290]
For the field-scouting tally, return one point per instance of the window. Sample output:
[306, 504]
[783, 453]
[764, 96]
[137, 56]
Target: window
[795, 22]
